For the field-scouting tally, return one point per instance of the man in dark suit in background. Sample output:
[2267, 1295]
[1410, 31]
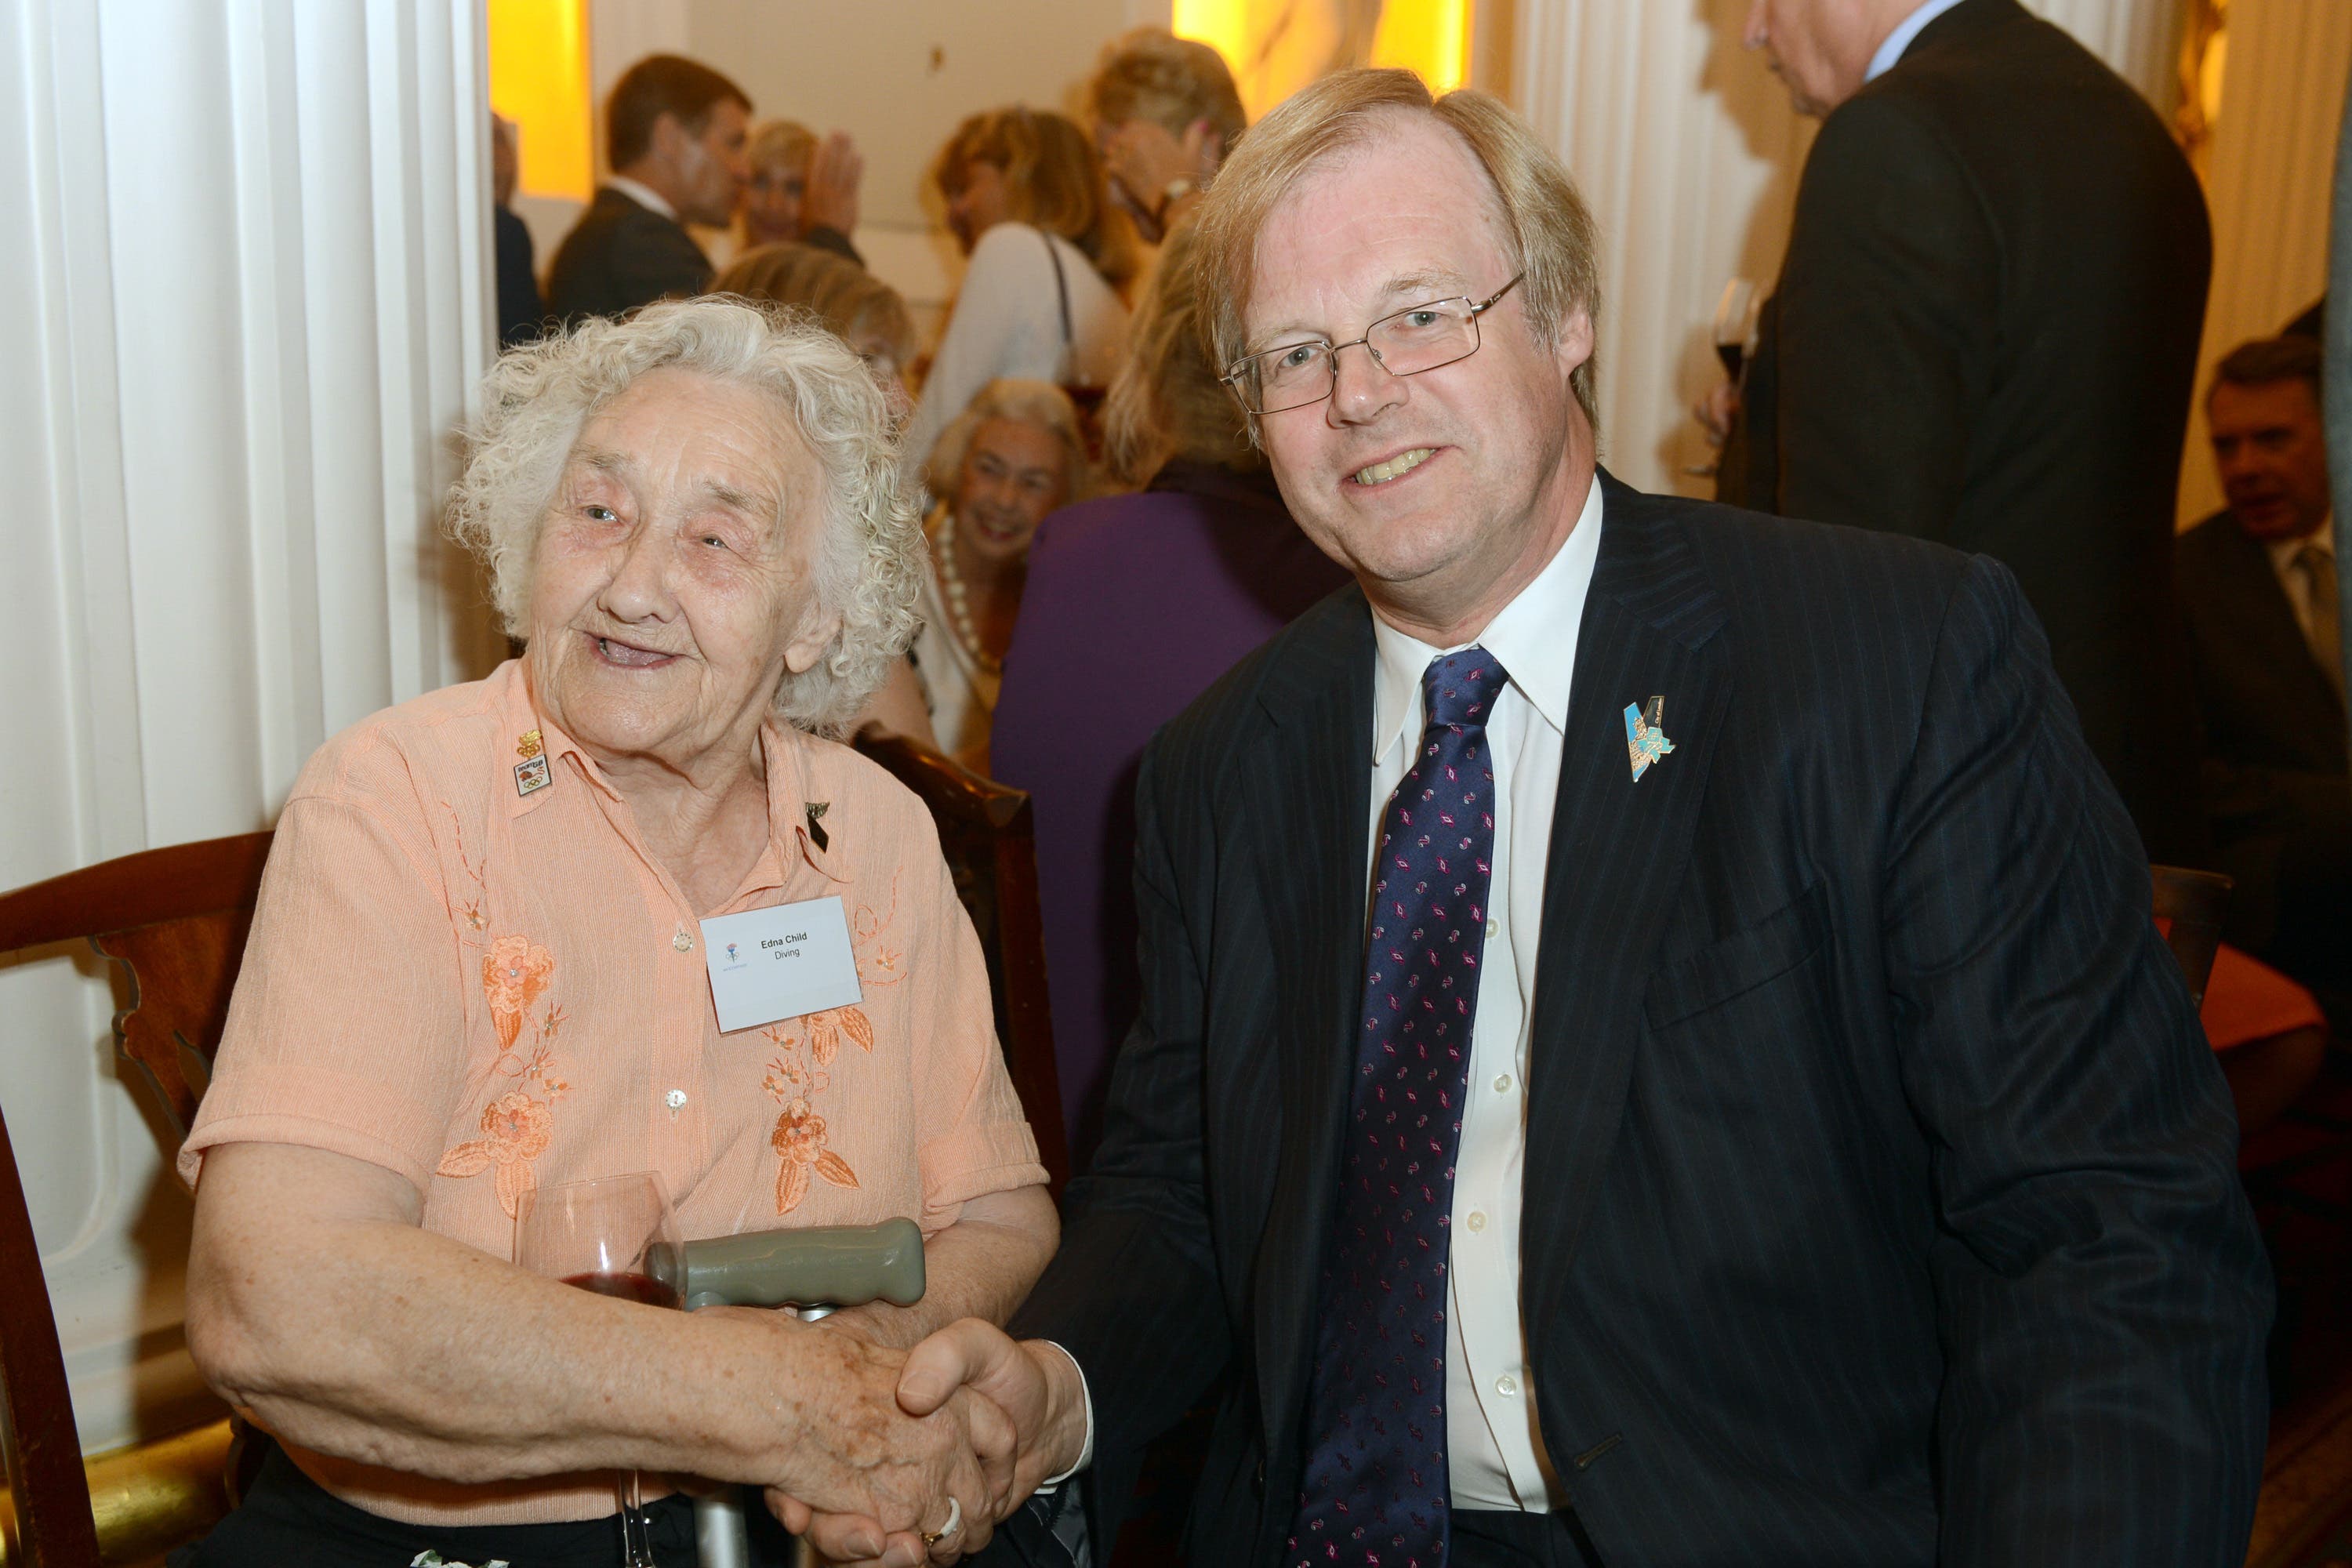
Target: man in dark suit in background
[1985, 334]
[522, 314]
[1653, 1045]
[675, 133]
[2258, 581]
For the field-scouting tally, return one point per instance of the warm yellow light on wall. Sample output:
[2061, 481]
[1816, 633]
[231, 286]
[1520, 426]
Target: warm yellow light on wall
[539, 79]
[1429, 36]
[1276, 47]
[1222, 24]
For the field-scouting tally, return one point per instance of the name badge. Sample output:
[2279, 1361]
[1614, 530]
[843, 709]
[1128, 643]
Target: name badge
[766, 965]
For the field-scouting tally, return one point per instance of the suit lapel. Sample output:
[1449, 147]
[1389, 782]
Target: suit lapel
[1615, 864]
[1316, 814]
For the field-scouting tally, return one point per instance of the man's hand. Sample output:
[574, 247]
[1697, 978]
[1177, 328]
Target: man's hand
[830, 198]
[1716, 410]
[1033, 1385]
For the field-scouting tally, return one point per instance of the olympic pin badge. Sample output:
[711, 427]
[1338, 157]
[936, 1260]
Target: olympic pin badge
[1646, 736]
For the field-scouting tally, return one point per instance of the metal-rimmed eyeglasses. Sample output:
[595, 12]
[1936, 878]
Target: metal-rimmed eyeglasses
[1418, 338]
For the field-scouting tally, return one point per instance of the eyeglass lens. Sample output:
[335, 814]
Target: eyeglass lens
[1411, 341]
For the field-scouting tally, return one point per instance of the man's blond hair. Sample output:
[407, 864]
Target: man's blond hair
[1545, 225]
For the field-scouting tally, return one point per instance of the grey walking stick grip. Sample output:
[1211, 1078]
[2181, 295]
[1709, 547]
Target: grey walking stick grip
[816, 1270]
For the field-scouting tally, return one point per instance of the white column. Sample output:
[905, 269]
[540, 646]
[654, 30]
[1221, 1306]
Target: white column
[1688, 152]
[2272, 163]
[246, 297]
[1686, 147]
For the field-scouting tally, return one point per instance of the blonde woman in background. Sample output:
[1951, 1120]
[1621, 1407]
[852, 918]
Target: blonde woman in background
[1013, 455]
[1165, 112]
[801, 188]
[853, 304]
[1023, 192]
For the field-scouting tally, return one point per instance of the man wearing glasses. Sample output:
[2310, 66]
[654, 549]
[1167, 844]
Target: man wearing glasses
[1653, 1049]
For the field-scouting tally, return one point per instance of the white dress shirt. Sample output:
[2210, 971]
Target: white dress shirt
[1493, 1446]
[1900, 39]
[645, 195]
[2283, 553]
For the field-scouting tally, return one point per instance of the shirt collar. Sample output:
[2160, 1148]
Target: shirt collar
[1905, 31]
[1533, 637]
[798, 769]
[2285, 550]
[643, 194]
[530, 736]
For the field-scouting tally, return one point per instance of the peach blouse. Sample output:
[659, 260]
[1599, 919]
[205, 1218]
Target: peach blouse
[488, 985]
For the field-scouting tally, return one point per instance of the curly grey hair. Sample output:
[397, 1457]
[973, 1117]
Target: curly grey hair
[870, 567]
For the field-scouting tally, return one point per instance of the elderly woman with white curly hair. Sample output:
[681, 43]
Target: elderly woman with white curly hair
[479, 968]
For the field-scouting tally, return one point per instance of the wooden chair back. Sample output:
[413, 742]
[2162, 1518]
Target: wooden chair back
[174, 920]
[2192, 904]
[987, 833]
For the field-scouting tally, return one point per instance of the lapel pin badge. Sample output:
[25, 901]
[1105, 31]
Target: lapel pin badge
[531, 774]
[817, 834]
[1646, 735]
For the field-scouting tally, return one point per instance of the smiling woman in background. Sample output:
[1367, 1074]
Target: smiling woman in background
[1013, 455]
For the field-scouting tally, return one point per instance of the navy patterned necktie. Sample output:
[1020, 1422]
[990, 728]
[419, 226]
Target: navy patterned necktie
[1375, 1492]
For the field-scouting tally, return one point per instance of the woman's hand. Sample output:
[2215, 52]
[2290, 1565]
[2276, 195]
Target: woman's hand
[876, 1479]
[830, 198]
[1143, 161]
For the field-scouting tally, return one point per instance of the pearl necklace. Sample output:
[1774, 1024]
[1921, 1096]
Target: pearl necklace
[951, 587]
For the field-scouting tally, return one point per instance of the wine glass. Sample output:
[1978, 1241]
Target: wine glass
[1734, 336]
[1735, 325]
[614, 1236]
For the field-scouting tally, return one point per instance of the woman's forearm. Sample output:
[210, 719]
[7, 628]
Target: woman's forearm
[315, 1302]
[980, 1266]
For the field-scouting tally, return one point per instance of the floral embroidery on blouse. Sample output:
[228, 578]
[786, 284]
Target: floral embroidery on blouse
[518, 1125]
[807, 1048]
[472, 908]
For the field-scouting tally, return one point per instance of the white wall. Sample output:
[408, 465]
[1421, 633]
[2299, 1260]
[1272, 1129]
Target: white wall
[246, 295]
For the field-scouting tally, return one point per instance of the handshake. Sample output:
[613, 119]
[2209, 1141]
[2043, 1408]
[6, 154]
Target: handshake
[913, 1457]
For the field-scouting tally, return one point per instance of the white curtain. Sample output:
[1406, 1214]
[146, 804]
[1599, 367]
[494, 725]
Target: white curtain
[245, 294]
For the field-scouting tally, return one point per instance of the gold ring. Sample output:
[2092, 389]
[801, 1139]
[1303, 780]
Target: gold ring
[954, 1523]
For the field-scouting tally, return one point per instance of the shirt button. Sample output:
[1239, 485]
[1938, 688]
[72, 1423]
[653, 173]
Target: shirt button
[682, 941]
[1477, 1219]
[1506, 1386]
[1493, 927]
[1501, 1083]
[675, 1100]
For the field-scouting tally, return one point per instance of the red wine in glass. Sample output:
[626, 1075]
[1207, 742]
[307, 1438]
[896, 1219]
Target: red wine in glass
[1731, 355]
[628, 1285]
[613, 1235]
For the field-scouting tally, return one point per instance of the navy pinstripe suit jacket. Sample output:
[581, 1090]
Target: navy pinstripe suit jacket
[1880, 1204]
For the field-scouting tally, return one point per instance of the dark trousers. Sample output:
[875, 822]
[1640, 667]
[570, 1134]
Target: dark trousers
[1492, 1538]
[288, 1520]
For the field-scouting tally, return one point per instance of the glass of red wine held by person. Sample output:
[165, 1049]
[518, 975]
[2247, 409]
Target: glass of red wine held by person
[614, 1236]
